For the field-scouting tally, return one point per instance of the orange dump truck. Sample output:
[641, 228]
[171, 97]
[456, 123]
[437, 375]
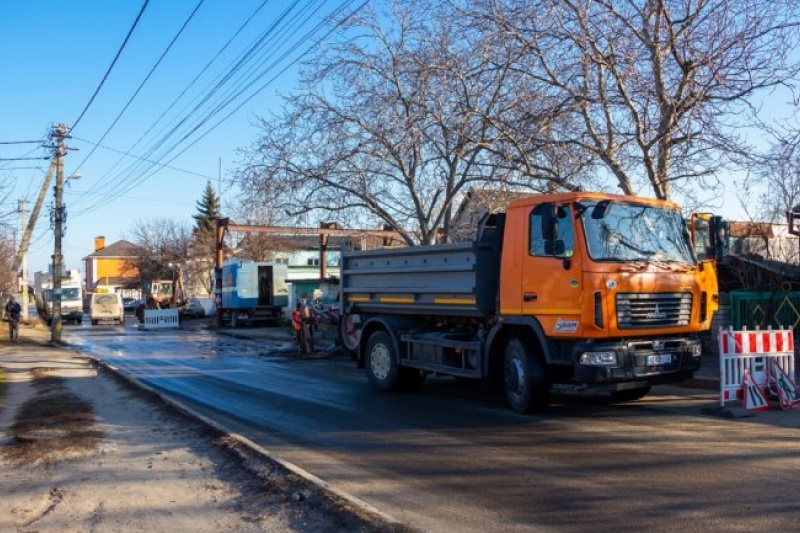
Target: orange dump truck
[577, 291]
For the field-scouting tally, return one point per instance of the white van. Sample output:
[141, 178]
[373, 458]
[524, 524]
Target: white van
[106, 306]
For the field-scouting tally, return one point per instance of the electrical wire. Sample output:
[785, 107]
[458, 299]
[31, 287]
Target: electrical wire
[111, 66]
[128, 154]
[191, 83]
[115, 181]
[141, 85]
[127, 185]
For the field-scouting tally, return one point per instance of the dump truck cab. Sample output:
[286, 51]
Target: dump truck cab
[611, 285]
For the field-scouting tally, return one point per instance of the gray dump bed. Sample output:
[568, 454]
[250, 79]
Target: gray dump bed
[445, 279]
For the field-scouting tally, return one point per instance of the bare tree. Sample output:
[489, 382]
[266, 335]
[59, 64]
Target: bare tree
[8, 278]
[161, 242]
[653, 89]
[779, 173]
[396, 123]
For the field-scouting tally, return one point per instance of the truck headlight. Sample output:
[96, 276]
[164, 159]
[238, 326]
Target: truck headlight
[607, 359]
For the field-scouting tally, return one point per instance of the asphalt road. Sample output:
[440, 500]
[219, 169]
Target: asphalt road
[452, 457]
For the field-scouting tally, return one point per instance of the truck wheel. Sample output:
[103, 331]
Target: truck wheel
[524, 379]
[383, 369]
[630, 395]
[95, 322]
[350, 332]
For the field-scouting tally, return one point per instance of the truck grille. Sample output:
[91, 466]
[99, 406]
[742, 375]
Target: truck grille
[638, 311]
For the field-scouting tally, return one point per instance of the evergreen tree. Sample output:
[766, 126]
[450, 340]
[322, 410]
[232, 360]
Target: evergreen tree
[207, 210]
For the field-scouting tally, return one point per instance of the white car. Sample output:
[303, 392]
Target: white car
[106, 306]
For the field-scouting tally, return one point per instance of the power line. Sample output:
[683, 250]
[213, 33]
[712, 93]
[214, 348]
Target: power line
[20, 142]
[171, 201]
[115, 181]
[125, 185]
[141, 85]
[114, 62]
[128, 154]
[23, 158]
[194, 81]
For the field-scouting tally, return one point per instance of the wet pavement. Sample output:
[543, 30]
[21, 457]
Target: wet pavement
[706, 377]
[325, 344]
[414, 455]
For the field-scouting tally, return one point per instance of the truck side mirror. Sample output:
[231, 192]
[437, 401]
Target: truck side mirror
[601, 209]
[549, 222]
[719, 236]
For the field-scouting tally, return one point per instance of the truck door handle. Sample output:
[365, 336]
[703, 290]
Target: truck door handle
[529, 297]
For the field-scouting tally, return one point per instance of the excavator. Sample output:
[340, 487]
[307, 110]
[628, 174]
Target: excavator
[166, 294]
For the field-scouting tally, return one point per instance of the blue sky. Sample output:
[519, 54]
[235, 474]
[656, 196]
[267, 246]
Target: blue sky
[55, 54]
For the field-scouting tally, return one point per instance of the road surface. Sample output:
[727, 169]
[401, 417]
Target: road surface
[453, 458]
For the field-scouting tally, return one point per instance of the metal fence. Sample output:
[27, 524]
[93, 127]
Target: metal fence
[764, 309]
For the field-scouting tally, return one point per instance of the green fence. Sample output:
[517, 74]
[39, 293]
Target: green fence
[764, 309]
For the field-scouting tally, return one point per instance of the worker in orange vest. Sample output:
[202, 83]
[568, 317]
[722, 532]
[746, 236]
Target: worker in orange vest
[297, 324]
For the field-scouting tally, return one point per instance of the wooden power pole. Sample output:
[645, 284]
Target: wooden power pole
[60, 133]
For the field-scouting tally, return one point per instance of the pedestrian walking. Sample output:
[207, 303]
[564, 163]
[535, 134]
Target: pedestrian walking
[13, 309]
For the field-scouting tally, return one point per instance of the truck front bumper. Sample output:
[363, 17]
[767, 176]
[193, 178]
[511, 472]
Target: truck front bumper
[649, 361]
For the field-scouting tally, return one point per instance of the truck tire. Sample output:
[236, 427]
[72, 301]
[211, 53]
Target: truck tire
[524, 379]
[630, 395]
[381, 362]
[350, 333]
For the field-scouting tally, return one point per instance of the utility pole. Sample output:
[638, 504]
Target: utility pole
[60, 133]
[26, 236]
[24, 260]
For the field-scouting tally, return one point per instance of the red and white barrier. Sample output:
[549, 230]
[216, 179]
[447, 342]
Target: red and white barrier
[752, 352]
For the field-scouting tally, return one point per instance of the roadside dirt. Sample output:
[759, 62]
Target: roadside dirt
[83, 451]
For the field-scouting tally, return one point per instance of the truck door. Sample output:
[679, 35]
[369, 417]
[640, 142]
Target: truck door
[264, 285]
[709, 236]
[551, 270]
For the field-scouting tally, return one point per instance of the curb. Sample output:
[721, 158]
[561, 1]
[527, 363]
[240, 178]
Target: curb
[321, 484]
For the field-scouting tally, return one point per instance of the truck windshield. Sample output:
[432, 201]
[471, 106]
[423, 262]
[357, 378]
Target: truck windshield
[630, 232]
[70, 294]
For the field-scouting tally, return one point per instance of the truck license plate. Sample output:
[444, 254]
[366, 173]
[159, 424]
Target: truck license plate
[658, 360]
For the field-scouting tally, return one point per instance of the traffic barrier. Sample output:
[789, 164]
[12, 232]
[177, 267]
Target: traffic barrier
[160, 319]
[752, 352]
[754, 397]
[784, 388]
